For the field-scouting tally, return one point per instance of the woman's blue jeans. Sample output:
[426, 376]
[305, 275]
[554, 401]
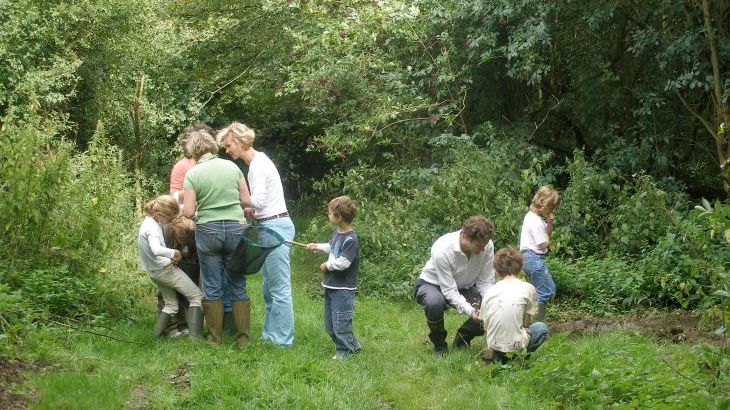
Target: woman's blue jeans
[537, 271]
[276, 287]
[216, 242]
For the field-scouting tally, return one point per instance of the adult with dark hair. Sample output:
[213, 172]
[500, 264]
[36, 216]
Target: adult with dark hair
[216, 188]
[458, 274]
[268, 207]
[186, 163]
[190, 262]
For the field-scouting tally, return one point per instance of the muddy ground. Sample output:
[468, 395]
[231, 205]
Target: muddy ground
[12, 373]
[674, 327]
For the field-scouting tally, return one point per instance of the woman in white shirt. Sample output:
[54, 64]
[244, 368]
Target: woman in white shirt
[268, 207]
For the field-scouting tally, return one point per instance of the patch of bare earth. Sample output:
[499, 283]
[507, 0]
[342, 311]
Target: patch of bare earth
[675, 327]
[137, 398]
[180, 378]
[11, 373]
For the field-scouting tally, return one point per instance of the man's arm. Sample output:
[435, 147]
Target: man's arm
[486, 279]
[445, 278]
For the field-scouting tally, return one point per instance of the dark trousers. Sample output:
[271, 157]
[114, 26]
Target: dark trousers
[435, 304]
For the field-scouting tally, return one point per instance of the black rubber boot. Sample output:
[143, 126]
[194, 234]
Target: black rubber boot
[195, 322]
[540, 316]
[468, 331]
[437, 335]
[163, 319]
[181, 316]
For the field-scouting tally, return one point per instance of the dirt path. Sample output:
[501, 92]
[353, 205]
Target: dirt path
[12, 373]
[675, 327]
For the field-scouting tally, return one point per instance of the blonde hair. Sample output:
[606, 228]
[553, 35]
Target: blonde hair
[165, 205]
[344, 207]
[237, 131]
[183, 231]
[545, 199]
[200, 143]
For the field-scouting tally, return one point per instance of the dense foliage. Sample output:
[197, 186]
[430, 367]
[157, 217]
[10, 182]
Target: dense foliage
[424, 111]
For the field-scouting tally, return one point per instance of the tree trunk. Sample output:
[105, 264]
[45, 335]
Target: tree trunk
[722, 114]
[137, 150]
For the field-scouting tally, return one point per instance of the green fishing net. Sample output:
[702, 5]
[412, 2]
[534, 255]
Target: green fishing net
[257, 241]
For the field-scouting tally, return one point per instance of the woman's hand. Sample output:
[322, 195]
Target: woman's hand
[323, 267]
[249, 213]
[311, 246]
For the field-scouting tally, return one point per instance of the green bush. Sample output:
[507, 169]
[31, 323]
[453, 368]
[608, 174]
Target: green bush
[642, 215]
[683, 269]
[582, 221]
[684, 266]
[404, 211]
[602, 285]
[66, 228]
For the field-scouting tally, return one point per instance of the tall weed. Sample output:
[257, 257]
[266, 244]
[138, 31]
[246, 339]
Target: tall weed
[66, 221]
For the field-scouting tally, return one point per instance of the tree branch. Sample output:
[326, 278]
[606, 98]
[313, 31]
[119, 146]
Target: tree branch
[704, 122]
[213, 93]
[94, 333]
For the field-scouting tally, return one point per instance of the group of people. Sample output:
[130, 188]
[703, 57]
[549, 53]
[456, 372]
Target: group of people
[215, 194]
[461, 274]
[188, 238]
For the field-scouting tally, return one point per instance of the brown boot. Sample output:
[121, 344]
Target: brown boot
[242, 318]
[213, 310]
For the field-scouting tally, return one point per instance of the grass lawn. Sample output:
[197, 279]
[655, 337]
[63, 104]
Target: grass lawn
[396, 368]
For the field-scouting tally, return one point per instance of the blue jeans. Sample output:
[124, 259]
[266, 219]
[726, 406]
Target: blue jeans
[339, 308]
[537, 271]
[216, 242]
[538, 335]
[276, 287]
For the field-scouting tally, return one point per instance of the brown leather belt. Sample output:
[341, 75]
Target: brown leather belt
[268, 218]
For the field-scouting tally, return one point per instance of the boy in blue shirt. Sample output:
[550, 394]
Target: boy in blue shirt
[340, 276]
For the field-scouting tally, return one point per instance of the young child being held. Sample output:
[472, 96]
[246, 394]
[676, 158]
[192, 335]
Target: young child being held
[534, 241]
[340, 276]
[159, 261]
[506, 310]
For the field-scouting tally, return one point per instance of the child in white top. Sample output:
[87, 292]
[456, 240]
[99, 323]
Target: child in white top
[534, 242]
[159, 261]
[507, 308]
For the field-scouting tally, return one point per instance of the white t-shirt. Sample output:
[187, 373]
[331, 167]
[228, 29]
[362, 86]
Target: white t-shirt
[502, 311]
[534, 232]
[264, 182]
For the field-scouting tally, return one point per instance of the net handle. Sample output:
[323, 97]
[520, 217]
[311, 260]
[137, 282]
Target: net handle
[296, 243]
